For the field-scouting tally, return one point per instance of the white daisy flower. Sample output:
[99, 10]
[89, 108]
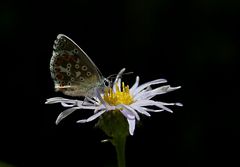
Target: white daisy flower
[120, 98]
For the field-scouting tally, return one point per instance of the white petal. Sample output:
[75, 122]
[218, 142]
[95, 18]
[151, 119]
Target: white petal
[59, 100]
[172, 104]
[166, 88]
[55, 99]
[89, 107]
[141, 110]
[142, 93]
[90, 101]
[119, 75]
[152, 110]
[92, 117]
[179, 104]
[118, 83]
[117, 80]
[131, 110]
[65, 113]
[163, 89]
[151, 93]
[132, 89]
[153, 103]
[97, 93]
[64, 104]
[101, 107]
[131, 124]
[145, 85]
[127, 114]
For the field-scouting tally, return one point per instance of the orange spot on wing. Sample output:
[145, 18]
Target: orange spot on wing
[66, 57]
[59, 76]
[74, 59]
[59, 62]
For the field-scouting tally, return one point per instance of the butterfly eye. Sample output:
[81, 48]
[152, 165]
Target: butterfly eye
[84, 68]
[72, 79]
[69, 83]
[68, 73]
[107, 82]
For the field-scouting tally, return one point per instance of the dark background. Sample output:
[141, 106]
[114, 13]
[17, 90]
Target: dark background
[194, 44]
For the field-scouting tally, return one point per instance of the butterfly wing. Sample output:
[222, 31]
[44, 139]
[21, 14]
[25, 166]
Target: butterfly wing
[73, 72]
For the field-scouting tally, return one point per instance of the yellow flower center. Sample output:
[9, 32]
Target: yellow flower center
[119, 97]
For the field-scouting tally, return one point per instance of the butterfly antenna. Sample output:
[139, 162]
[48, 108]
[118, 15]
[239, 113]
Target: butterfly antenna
[119, 75]
[111, 76]
[128, 73]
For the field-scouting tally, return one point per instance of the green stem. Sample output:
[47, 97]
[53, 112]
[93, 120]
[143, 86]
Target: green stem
[115, 126]
[119, 144]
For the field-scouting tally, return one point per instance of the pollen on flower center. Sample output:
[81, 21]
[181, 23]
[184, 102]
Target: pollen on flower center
[119, 96]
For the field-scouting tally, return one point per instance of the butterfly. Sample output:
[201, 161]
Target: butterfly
[72, 71]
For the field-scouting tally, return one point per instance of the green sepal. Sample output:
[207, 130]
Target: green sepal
[114, 124]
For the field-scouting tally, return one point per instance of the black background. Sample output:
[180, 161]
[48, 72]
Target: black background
[194, 44]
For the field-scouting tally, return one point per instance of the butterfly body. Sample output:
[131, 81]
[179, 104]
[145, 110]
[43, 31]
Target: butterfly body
[73, 72]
